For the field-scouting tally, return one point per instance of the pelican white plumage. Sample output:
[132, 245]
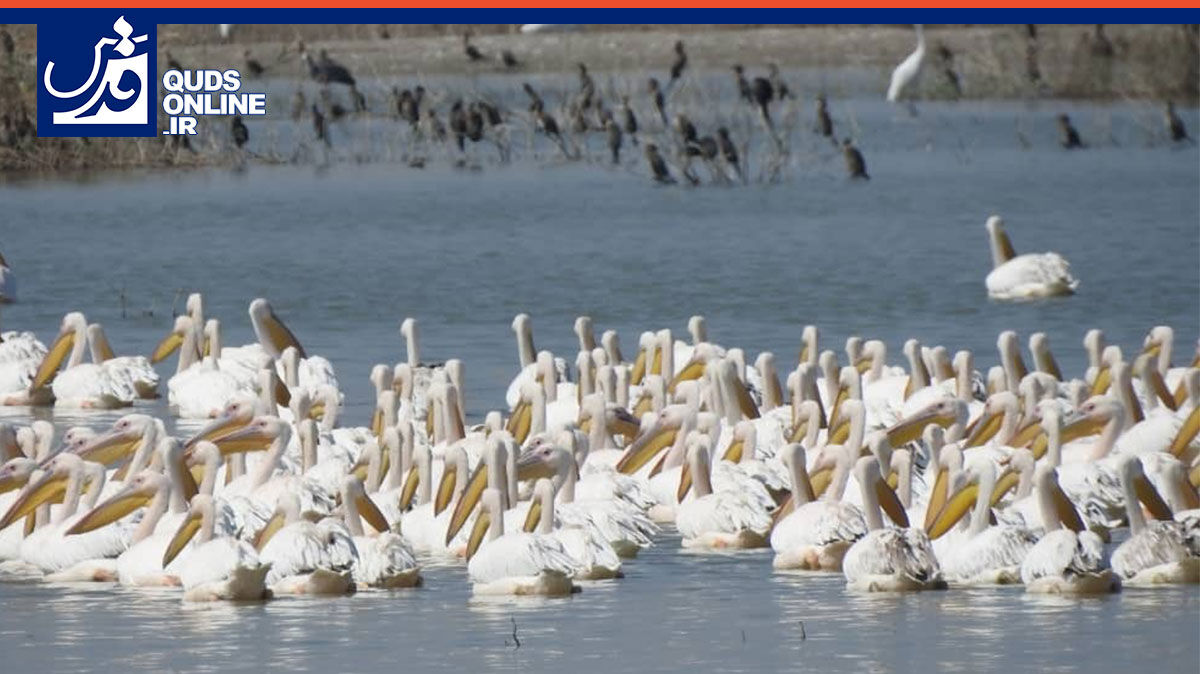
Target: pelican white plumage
[203, 386]
[816, 534]
[385, 559]
[522, 327]
[592, 557]
[305, 558]
[986, 555]
[1064, 561]
[79, 384]
[1156, 551]
[135, 370]
[217, 567]
[517, 563]
[1027, 276]
[888, 559]
[909, 69]
[718, 519]
[20, 354]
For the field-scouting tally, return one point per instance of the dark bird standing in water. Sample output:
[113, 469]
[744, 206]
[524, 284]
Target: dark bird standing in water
[743, 86]
[824, 122]
[240, 133]
[547, 124]
[473, 53]
[762, 93]
[729, 150]
[326, 70]
[614, 139]
[587, 87]
[946, 57]
[658, 166]
[535, 101]
[360, 101]
[1175, 125]
[680, 64]
[319, 125]
[686, 131]
[509, 60]
[656, 96]
[856, 166]
[781, 87]
[458, 123]
[1068, 137]
[629, 120]
[253, 67]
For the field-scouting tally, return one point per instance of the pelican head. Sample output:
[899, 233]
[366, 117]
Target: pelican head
[72, 330]
[120, 440]
[272, 333]
[945, 413]
[257, 435]
[184, 326]
[235, 415]
[137, 492]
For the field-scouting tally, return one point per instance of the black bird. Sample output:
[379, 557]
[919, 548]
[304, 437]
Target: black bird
[614, 139]
[509, 60]
[547, 124]
[253, 67]
[319, 125]
[680, 64]
[743, 86]
[1174, 124]
[762, 93]
[474, 123]
[382, 31]
[299, 103]
[325, 70]
[535, 101]
[729, 150]
[658, 166]
[1032, 70]
[706, 147]
[240, 133]
[587, 87]
[657, 98]
[686, 131]
[408, 108]
[1068, 137]
[172, 64]
[1102, 47]
[629, 120]
[824, 122]
[360, 101]
[458, 123]
[856, 166]
[947, 60]
[781, 87]
[7, 43]
[491, 114]
[473, 54]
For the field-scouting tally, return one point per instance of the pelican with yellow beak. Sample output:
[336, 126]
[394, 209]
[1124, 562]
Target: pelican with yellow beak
[385, 559]
[79, 384]
[305, 558]
[135, 371]
[20, 354]
[217, 568]
[1024, 277]
[1067, 559]
[522, 327]
[203, 386]
[888, 559]
[516, 563]
[592, 558]
[986, 555]
[1156, 551]
[718, 519]
[816, 534]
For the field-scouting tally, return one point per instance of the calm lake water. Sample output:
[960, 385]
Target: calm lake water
[345, 252]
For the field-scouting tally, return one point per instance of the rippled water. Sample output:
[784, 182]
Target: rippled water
[344, 253]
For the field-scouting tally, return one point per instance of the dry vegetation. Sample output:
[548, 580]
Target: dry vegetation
[1147, 62]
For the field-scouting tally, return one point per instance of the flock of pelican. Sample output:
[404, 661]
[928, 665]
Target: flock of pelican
[901, 478]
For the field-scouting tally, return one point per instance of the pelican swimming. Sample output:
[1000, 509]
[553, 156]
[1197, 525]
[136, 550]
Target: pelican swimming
[718, 519]
[203, 386]
[888, 559]
[1067, 559]
[592, 557]
[305, 558]
[217, 567]
[816, 534]
[384, 559]
[79, 384]
[1156, 551]
[135, 370]
[20, 355]
[516, 563]
[1027, 276]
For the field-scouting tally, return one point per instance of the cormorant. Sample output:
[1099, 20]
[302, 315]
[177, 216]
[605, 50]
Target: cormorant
[658, 167]
[172, 64]
[743, 86]
[856, 166]
[1174, 124]
[629, 120]
[729, 150]
[781, 87]
[1068, 137]
[657, 98]
[473, 54]
[614, 139]
[509, 60]
[240, 133]
[824, 122]
[253, 67]
[535, 101]
[319, 125]
[680, 64]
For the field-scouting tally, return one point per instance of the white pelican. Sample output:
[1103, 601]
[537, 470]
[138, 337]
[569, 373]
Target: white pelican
[1156, 551]
[522, 327]
[8, 282]
[721, 519]
[986, 555]
[422, 373]
[1064, 561]
[80, 384]
[202, 387]
[136, 370]
[305, 558]
[216, 568]
[425, 525]
[270, 434]
[909, 69]
[888, 559]
[816, 534]
[517, 563]
[1028, 276]
[89, 557]
[591, 556]
[384, 559]
[20, 354]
